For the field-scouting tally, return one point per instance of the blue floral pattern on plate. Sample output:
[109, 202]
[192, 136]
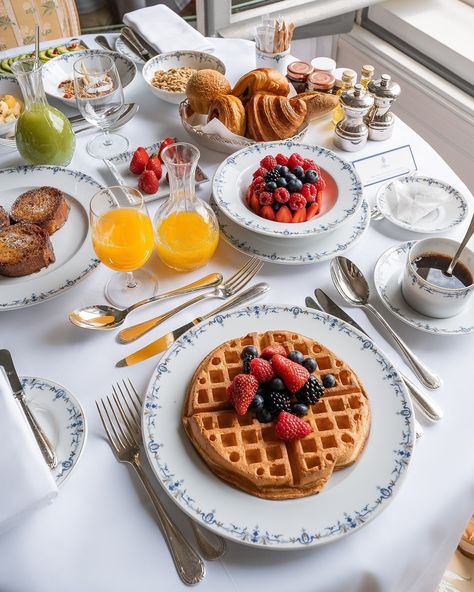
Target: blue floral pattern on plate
[159, 409]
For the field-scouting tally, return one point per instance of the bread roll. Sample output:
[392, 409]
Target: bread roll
[203, 87]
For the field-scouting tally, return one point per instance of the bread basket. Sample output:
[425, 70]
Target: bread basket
[219, 143]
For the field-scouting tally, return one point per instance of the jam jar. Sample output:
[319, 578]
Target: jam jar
[321, 81]
[297, 74]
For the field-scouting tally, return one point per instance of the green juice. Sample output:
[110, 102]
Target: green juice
[44, 135]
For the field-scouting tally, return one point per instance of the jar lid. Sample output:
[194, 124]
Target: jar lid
[367, 71]
[324, 64]
[323, 80]
[299, 69]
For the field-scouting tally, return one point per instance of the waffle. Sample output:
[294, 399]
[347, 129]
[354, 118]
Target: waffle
[247, 453]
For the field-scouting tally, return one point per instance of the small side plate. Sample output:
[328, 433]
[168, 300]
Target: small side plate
[61, 417]
[122, 162]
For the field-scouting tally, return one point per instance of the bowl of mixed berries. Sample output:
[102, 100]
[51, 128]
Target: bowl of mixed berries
[287, 190]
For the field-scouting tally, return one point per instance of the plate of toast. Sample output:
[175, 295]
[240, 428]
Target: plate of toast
[45, 243]
[278, 427]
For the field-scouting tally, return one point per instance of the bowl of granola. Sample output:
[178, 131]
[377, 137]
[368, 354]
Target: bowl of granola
[58, 73]
[168, 73]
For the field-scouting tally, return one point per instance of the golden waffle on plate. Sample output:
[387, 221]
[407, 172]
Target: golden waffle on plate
[247, 453]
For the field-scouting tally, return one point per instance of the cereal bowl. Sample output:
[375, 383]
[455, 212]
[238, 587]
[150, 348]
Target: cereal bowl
[61, 69]
[8, 86]
[195, 60]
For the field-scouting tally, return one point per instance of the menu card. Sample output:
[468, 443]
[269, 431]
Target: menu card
[385, 165]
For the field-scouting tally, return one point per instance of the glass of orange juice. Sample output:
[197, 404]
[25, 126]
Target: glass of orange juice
[122, 236]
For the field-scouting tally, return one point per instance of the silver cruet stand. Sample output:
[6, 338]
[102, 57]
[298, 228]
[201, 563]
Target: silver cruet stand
[351, 133]
[380, 119]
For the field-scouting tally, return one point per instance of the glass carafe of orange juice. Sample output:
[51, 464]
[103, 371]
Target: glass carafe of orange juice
[43, 134]
[186, 229]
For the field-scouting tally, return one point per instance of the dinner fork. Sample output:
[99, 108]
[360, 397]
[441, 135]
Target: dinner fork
[228, 288]
[122, 433]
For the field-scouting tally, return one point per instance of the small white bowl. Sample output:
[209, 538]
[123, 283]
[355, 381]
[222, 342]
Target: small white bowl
[427, 298]
[178, 59]
[61, 68]
[9, 86]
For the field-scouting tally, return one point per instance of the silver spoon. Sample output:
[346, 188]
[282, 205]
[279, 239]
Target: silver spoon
[353, 287]
[465, 240]
[103, 42]
[103, 316]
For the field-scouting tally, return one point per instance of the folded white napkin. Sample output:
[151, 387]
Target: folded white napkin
[410, 202]
[166, 31]
[26, 481]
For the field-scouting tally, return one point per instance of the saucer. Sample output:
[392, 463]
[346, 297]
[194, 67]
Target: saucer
[446, 216]
[62, 418]
[297, 251]
[388, 275]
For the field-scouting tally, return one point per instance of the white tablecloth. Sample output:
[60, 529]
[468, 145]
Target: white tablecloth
[100, 535]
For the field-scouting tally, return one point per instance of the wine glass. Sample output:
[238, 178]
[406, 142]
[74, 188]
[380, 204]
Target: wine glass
[99, 97]
[122, 236]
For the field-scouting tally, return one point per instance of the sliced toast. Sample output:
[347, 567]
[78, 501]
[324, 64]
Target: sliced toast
[4, 218]
[45, 206]
[24, 248]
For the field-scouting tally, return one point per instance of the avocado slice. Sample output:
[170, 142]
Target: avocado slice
[43, 57]
[50, 53]
[62, 49]
[6, 65]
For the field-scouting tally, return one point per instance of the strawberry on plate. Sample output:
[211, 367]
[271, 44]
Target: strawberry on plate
[290, 427]
[148, 182]
[245, 387]
[164, 144]
[293, 375]
[154, 164]
[139, 161]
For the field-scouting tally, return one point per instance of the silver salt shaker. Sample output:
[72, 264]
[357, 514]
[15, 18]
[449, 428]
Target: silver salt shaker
[352, 132]
[380, 119]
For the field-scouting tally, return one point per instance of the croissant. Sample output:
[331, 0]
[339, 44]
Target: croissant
[318, 103]
[230, 111]
[270, 117]
[261, 80]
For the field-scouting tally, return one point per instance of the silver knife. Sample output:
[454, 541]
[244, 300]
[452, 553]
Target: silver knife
[164, 342]
[131, 38]
[425, 403]
[44, 444]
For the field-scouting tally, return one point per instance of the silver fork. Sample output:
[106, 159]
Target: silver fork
[228, 288]
[122, 435]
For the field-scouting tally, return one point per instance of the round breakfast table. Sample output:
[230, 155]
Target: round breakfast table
[100, 533]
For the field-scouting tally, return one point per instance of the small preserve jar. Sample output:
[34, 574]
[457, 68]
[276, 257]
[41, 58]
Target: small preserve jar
[321, 81]
[297, 74]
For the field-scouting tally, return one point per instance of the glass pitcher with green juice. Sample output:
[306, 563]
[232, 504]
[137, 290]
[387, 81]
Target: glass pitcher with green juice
[43, 134]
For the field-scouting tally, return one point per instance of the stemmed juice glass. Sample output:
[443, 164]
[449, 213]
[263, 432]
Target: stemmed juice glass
[99, 97]
[122, 236]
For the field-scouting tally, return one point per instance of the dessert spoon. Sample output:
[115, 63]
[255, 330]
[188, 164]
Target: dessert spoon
[351, 284]
[465, 240]
[104, 316]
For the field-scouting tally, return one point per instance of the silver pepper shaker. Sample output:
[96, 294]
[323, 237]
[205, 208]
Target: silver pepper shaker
[380, 120]
[352, 132]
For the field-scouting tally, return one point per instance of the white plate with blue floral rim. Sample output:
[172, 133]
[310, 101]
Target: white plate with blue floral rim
[72, 244]
[448, 215]
[303, 251]
[341, 198]
[388, 276]
[352, 497]
[60, 69]
[61, 417]
[122, 48]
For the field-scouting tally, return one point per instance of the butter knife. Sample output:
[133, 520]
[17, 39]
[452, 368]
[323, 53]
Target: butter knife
[131, 38]
[425, 403]
[164, 342]
[44, 444]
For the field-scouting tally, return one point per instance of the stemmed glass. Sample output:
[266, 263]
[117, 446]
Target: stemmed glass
[122, 236]
[99, 97]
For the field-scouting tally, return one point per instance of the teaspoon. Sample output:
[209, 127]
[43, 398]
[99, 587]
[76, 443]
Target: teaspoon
[465, 240]
[351, 284]
[103, 316]
[103, 42]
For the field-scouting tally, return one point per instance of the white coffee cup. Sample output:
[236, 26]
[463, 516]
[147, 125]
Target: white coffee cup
[426, 297]
[278, 61]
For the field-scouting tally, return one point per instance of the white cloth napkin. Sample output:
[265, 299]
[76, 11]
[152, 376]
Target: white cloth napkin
[410, 202]
[26, 481]
[166, 31]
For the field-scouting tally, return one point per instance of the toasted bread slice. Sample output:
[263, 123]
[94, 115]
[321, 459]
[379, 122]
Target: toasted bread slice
[24, 248]
[45, 206]
[4, 218]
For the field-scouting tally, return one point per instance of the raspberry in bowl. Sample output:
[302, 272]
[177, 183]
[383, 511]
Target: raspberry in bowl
[287, 190]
